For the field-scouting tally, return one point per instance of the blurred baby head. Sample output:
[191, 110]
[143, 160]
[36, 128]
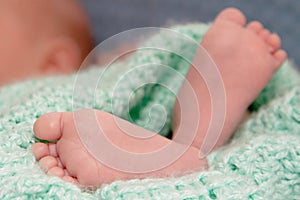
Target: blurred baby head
[40, 38]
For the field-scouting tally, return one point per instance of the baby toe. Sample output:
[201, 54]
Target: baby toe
[70, 180]
[264, 34]
[280, 56]
[232, 14]
[48, 127]
[40, 150]
[56, 171]
[48, 163]
[274, 41]
[255, 26]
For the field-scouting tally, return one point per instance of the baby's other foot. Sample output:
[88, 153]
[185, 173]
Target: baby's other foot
[68, 159]
[247, 56]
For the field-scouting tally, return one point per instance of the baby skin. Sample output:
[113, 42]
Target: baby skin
[243, 53]
[49, 38]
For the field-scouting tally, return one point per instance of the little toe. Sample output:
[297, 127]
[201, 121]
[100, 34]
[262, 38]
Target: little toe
[56, 171]
[48, 163]
[232, 14]
[274, 41]
[255, 26]
[40, 150]
[48, 127]
[70, 180]
[280, 56]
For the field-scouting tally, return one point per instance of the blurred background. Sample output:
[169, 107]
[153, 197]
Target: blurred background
[111, 17]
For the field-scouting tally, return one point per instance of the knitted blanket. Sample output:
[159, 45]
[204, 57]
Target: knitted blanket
[262, 160]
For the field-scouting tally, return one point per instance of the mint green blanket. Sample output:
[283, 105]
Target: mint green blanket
[262, 161]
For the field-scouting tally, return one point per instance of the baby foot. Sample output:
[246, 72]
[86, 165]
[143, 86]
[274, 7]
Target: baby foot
[68, 159]
[247, 57]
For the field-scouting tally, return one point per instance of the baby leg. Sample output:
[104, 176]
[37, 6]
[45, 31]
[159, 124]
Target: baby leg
[246, 56]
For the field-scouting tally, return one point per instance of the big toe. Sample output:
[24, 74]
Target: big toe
[232, 14]
[48, 127]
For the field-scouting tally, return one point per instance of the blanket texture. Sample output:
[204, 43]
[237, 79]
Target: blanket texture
[262, 160]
